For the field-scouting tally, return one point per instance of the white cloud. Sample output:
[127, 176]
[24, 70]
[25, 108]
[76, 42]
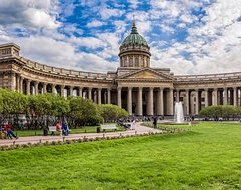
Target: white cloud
[134, 3]
[88, 42]
[95, 23]
[106, 13]
[30, 14]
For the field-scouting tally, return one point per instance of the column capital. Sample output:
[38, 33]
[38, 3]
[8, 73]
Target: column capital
[160, 88]
[130, 88]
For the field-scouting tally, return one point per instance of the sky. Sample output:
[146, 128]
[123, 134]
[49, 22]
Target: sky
[187, 36]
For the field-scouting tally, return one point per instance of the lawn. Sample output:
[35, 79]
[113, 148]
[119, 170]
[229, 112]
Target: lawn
[207, 157]
[90, 129]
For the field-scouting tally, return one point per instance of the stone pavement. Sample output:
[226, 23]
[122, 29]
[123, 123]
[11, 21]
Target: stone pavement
[139, 129]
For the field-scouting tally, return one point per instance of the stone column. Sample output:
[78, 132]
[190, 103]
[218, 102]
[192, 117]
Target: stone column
[71, 90]
[187, 102]
[197, 102]
[215, 97]
[150, 102]
[235, 96]
[108, 96]
[225, 98]
[36, 87]
[177, 95]
[206, 97]
[139, 102]
[119, 97]
[62, 90]
[21, 84]
[17, 83]
[27, 87]
[171, 102]
[54, 89]
[160, 102]
[44, 88]
[129, 100]
[99, 95]
[12, 81]
[90, 93]
[80, 91]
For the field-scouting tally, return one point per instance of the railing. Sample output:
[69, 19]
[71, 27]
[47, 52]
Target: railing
[222, 76]
[64, 72]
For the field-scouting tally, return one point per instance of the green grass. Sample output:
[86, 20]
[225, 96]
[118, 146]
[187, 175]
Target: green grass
[207, 157]
[92, 129]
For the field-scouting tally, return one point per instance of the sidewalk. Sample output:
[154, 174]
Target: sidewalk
[35, 139]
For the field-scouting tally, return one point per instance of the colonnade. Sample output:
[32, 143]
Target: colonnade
[28, 87]
[196, 99]
[139, 100]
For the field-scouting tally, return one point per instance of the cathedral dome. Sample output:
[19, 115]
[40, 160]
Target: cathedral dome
[134, 38]
[134, 50]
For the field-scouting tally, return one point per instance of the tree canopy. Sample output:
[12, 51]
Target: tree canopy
[224, 111]
[41, 108]
[111, 112]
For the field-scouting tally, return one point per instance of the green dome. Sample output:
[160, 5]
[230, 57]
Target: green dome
[134, 38]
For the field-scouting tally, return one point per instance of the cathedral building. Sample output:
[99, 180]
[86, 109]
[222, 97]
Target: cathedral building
[134, 86]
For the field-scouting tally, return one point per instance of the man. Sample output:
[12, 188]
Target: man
[9, 132]
[154, 122]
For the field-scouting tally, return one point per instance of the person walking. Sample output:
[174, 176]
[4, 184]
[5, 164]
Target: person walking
[155, 122]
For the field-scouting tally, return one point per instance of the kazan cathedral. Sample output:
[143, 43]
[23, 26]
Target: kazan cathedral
[134, 86]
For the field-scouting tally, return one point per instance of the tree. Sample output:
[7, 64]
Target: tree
[12, 102]
[84, 111]
[111, 112]
[225, 111]
[45, 105]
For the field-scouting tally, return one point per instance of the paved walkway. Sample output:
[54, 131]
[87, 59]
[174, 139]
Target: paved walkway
[35, 139]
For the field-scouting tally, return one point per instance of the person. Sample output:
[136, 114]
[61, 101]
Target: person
[2, 133]
[154, 122]
[58, 128]
[65, 129]
[133, 126]
[9, 132]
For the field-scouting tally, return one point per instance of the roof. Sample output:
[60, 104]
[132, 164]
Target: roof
[134, 38]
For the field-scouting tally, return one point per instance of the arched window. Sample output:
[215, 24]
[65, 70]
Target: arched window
[136, 61]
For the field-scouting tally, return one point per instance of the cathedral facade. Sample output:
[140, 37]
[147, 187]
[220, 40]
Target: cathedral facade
[134, 86]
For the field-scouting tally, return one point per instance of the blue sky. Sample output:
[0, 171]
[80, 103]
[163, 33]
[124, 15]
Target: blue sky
[187, 36]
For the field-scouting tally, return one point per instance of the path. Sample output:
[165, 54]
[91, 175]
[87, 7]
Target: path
[139, 129]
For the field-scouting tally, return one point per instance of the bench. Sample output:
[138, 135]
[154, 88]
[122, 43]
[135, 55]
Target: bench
[52, 129]
[108, 127]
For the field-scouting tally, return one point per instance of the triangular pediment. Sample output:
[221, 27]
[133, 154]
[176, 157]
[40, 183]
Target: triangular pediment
[146, 74]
